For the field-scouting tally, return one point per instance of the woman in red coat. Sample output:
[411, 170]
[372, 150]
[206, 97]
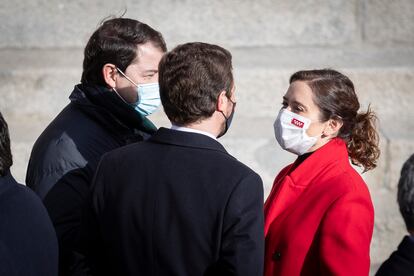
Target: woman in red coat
[319, 215]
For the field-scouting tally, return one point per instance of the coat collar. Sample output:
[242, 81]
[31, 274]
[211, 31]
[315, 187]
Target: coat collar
[406, 248]
[102, 104]
[186, 139]
[293, 180]
[334, 152]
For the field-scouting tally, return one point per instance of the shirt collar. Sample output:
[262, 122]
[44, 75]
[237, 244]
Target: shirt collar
[187, 129]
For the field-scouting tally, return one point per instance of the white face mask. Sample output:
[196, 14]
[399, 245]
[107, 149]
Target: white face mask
[290, 132]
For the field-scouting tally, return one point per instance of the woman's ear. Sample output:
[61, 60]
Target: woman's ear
[333, 127]
[110, 74]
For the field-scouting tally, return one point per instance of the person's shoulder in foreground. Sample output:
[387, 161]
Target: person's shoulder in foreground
[201, 203]
[401, 261]
[28, 244]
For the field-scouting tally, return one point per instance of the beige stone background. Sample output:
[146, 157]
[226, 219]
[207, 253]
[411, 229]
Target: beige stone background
[372, 41]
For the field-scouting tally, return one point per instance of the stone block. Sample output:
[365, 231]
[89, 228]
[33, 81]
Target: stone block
[389, 227]
[389, 22]
[21, 155]
[24, 130]
[251, 141]
[382, 182]
[44, 93]
[390, 93]
[37, 82]
[53, 24]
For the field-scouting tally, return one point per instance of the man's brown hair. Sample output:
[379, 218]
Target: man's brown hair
[115, 41]
[191, 77]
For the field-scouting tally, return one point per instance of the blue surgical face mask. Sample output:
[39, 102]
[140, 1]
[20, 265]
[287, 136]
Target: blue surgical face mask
[148, 96]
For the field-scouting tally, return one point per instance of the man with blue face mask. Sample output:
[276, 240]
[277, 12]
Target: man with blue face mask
[107, 110]
[148, 96]
[178, 203]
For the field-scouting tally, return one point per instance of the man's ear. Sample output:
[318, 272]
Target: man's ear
[110, 74]
[221, 101]
[333, 127]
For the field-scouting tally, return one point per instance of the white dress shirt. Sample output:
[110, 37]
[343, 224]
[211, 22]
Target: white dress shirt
[187, 129]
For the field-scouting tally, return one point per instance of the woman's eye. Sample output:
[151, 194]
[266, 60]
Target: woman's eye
[297, 109]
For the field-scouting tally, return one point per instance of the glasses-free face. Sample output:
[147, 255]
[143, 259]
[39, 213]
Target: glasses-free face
[299, 99]
[143, 70]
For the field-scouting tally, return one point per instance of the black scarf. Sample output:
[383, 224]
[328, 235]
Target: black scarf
[110, 111]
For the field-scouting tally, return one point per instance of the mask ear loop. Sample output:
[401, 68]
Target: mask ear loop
[116, 92]
[129, 79]
[123, 74]
[226, 128]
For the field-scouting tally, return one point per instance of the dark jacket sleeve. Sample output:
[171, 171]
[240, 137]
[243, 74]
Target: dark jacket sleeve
[28, 244]
[65, 203]
[90, 243]
[50, 160]
[401, 261]
[242, 249]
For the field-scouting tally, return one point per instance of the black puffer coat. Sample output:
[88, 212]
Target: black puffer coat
[66, 154]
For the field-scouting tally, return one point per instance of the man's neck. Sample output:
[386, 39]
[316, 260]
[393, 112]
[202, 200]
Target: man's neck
[194, 130]
[209, 125]
[200, 128]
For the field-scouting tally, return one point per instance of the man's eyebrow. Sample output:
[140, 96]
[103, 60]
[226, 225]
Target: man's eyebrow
[151, 71]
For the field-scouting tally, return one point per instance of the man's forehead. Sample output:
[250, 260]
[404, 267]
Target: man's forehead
[143, 66]
[147, 55]
[148, 49]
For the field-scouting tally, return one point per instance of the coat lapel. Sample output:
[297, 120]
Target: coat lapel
[289, 185]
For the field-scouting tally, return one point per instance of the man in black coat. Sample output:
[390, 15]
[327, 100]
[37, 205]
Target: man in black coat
[119, 88]
[179, 204]
[28, 244]
[401, 261]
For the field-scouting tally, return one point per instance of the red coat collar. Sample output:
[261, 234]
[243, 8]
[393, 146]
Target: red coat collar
[290, 184]
[333, 152]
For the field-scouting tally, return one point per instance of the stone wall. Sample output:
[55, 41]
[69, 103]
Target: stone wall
[370, 40]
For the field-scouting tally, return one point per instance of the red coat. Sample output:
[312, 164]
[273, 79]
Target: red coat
[319, 217]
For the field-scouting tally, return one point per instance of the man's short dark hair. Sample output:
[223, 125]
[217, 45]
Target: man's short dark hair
[406, 193]
[6, 160]
[115, 41]
[191, 77]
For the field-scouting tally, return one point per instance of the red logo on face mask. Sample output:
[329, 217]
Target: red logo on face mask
[297, 123]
